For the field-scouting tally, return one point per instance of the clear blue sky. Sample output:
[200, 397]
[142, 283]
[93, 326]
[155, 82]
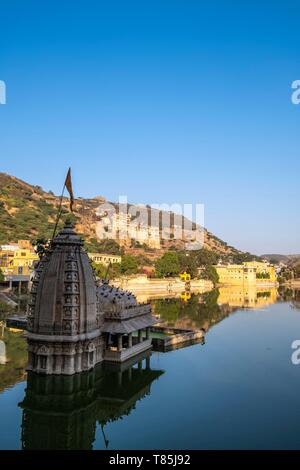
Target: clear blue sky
[164, 101]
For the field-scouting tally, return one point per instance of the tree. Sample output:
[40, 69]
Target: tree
[188, 263]
[1, 275]
[41, 246]
[210, 273]
[239, 258]
[107, 245]
[204, 257]
[129, 265]
[144, 260]
[5, 309]
[99, 269]
[167, 266]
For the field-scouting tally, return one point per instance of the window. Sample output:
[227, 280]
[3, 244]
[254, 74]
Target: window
[43, 362]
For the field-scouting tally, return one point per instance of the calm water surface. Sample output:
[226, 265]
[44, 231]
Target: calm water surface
[239, 390]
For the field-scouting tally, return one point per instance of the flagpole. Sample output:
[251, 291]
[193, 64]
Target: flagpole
[59, 211]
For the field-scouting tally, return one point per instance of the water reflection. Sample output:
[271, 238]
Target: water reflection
[68, 412]
[2, 352]
[291, 295]
[249, 296]
[208, 309]
[199, 311]
[13, 358]
[61, 412]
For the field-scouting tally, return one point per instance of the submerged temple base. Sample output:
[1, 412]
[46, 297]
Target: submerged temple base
[67, 358]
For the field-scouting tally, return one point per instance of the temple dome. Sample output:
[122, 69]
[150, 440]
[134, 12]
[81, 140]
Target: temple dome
[63, 295]
[111, 297]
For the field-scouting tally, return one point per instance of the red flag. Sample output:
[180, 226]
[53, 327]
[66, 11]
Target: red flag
[68, 184]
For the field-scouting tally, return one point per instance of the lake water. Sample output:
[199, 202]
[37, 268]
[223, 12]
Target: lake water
[239, 390]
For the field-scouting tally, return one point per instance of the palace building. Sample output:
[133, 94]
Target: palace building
[248, 273]
[105, 258]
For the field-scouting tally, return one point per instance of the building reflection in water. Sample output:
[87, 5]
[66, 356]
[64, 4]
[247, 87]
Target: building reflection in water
[247, 296]
[208, 309]
[2, 352]
[61, 412]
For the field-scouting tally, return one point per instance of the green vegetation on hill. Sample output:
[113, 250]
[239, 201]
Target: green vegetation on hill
[129, 265]
[24, 214]
[104, 246]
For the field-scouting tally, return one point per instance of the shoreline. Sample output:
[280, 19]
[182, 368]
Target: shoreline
[158, 287]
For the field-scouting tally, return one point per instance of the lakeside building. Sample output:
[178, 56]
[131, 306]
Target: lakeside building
[105, 258]
[264, 270]
[250, 272]
[17, 259]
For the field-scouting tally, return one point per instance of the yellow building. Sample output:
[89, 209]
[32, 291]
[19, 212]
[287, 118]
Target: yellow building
[6, 256]
[17, 258]
[104, 258]
[264, 271]
[22, 262]
[236, 274]
[248, 273]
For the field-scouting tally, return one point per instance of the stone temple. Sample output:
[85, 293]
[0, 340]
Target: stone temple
[75, 323]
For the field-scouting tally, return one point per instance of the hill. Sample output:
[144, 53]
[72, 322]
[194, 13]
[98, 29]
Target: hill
[29, 212]
[277, 258]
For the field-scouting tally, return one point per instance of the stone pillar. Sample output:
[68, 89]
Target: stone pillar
[148, 363]
[130, 340]
[10, 284]
[148, 332]
[58, 364]
[120, 342]
[130, 374]
[79, 362]
[20, 287]
[140, 336]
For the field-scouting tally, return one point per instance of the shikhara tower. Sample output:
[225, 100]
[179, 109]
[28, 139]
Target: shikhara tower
[70, 329]
[64, 334]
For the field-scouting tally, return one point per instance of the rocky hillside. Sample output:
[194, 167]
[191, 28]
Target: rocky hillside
[29, 212]
[277, 258]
